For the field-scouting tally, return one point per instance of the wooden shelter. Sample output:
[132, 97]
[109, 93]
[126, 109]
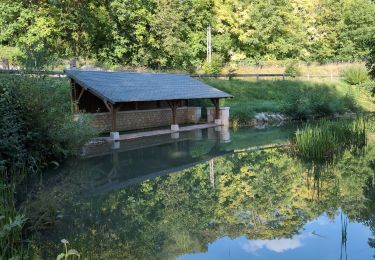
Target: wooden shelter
[101, 92]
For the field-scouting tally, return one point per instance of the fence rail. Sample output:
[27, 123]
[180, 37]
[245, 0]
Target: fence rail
[258, 76]
[230, 75]
[33, 72]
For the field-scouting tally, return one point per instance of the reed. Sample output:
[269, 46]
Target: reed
[323, 140]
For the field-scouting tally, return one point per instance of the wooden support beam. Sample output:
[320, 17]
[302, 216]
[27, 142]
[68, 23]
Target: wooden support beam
[73, 96]
[80, 95]
[114, 116]
[216, 103]
[173, 105]
[108, 106]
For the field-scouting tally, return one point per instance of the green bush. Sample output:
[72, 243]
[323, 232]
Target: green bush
[292, 68]
[315, 101]
[37, 125]
[355, 75]
[215, 66]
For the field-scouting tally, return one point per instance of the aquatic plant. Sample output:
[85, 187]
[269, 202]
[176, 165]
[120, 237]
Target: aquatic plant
[323, 140]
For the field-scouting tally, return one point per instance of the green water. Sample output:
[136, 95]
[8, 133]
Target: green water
[209, 195]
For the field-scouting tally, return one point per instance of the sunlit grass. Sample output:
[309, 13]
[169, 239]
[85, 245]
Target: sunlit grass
[295, 98]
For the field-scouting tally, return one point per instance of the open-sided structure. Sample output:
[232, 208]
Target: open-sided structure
[131, 100]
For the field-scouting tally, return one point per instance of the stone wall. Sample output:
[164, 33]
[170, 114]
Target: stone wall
[140, 119]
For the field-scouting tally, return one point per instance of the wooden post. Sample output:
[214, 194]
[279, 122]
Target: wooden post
[216, 103]
[114, 114]
[73, 96]
[173, 105]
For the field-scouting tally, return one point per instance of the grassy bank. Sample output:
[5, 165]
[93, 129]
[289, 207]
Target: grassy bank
[297, 99]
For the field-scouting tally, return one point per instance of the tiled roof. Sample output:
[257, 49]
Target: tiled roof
[118, 87]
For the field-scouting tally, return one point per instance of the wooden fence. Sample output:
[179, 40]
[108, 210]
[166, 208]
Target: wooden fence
[259, 76]
[228, 76]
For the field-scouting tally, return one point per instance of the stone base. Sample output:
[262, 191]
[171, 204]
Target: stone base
[115, 136]
[223, 115]
[218, 121]
[175, 127]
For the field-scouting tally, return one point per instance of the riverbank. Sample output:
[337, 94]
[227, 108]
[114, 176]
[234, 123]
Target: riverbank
[295, 99]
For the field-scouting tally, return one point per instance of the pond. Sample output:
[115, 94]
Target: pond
[207, 194]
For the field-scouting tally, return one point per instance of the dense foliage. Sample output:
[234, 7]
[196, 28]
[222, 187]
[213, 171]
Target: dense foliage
[172, 33]
[37, 126]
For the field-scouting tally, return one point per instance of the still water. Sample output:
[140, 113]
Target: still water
[210, 194]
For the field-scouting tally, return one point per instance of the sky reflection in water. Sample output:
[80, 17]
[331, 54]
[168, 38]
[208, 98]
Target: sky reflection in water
[320, 239]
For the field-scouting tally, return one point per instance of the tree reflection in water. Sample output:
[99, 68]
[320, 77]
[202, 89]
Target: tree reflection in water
[110, 210]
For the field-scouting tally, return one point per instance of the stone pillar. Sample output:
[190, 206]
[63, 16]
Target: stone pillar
[194, 114]
[115, 136]
[223, 115]
[175, 127]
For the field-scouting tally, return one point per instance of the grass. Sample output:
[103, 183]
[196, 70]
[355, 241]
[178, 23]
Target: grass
[279, 67]
[355, 75]
[297, 99]
[324, 140]
[11, 220]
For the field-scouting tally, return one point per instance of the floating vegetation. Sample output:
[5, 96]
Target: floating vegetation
[323, 140]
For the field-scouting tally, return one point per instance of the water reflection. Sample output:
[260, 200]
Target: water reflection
[195, 197]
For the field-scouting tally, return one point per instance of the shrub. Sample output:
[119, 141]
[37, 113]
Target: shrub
[37, 125]
[292, 68]
[316, 101]
[215, 66]
[355, 75]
